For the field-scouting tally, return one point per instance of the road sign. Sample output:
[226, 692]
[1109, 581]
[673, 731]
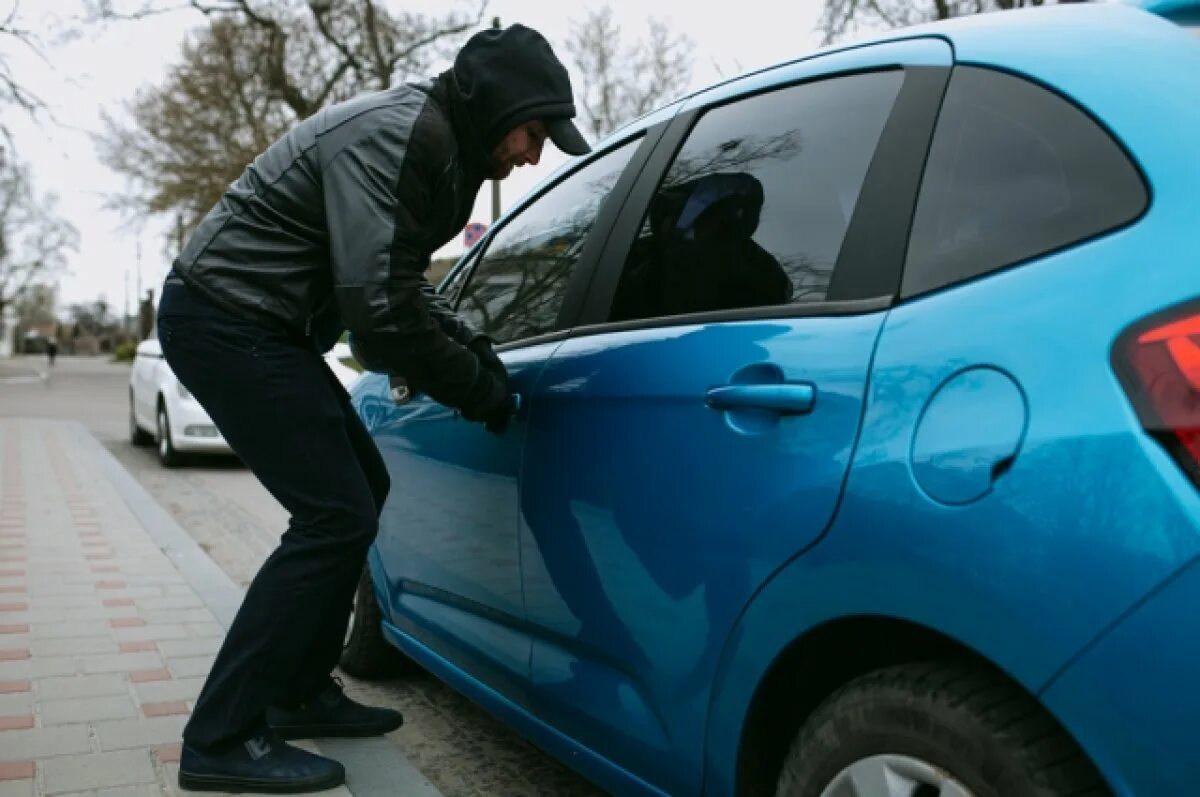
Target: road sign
[472, 233]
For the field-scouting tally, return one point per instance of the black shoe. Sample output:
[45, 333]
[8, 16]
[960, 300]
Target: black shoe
[331, 713]
[262, 763]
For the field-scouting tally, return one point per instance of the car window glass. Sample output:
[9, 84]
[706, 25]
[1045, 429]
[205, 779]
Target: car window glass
[452, 286]
[1014, 171]
[517, 289]
[754, 209]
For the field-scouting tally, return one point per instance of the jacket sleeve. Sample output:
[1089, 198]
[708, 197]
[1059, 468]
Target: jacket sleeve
[451, 322]
[377, 192]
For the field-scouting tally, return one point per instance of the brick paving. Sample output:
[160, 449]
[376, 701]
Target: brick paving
[103, 643]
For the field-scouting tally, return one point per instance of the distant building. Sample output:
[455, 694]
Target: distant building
[438, 269]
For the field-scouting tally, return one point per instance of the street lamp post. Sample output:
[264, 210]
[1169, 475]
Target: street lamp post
[495, 183]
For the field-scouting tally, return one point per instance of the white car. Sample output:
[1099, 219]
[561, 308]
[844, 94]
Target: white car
[163, 412]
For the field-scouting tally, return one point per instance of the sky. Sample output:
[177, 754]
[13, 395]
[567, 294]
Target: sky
[102, 67]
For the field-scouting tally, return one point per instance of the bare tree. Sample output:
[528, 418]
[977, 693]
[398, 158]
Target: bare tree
[33, 238]
[843, 18]
[36, 307]
[14, 33]
[620, 82]
[189, 139]
[92, 318]
[249, 74]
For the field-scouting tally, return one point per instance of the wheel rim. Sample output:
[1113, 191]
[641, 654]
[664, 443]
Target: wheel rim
[164, 434]
[894, 776]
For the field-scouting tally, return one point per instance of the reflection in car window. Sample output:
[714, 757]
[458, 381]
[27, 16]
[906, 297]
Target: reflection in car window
[755, 207]
[517, 289]
[453, 284]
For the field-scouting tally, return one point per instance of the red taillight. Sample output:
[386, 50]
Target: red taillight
[1159, 365]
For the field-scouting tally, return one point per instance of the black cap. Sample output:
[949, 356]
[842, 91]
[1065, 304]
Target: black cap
[566, 136]
[512, 76]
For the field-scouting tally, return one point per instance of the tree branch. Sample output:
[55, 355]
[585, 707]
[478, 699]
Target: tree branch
[102, 11]
[253, 16]
[441, 34]
[319, 15]
[382, 69]
[327, 89]
[11, 16]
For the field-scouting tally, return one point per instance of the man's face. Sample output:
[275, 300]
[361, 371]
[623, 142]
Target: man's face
[522, 145]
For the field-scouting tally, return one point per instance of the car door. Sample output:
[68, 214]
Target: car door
[694, 433]
[449, 538]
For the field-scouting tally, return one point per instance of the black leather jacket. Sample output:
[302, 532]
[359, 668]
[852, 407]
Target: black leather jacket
[334, 225]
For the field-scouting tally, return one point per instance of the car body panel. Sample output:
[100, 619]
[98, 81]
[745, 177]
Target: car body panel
[1143, 739]
[503, 705]
[1015, 575]
[636, 503]
[448, 533]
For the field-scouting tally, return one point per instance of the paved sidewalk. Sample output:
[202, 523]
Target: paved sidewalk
[109, 619]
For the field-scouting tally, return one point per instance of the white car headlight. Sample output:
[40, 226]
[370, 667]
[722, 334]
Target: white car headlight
[182, 391]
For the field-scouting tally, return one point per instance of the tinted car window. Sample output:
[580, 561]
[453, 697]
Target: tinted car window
[1014, 171]
[517, 289]
[754, 209]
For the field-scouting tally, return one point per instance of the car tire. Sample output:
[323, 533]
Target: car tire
[950, 728]
[137, 435]
[366, 653]
[168, 455]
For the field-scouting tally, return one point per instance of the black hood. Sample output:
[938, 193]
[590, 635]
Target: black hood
[505, 78]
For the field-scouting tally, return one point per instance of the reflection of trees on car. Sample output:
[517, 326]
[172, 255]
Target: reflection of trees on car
[528, 266]
[810, 278]
[746, 153]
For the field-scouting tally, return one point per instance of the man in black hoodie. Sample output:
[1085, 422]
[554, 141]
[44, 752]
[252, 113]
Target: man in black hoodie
[332, 228]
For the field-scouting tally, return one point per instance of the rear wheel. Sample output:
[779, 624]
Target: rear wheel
[936, 729]
[137, 435]
[365, 652]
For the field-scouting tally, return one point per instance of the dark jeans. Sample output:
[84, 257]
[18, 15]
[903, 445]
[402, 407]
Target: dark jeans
[289, 419]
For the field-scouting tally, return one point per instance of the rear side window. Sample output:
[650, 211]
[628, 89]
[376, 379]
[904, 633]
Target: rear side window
[1014, 172]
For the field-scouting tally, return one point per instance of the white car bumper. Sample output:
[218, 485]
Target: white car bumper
[192, 430]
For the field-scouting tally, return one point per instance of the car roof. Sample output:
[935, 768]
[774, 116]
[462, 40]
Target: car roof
[1127, 80]
[1055, 31]
[1182, 11]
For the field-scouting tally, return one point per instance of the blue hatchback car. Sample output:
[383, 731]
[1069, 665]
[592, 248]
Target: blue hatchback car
[859, 436]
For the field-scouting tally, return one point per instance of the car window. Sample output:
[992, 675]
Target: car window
[754, 208]
[1014, 171]
[451, 287]
[517, 289]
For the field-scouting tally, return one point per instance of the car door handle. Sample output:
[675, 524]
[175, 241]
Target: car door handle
[786, 399]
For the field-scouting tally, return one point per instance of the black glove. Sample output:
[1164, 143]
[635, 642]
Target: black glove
[482, 348]
[499, 418]
[490, 402]
[496, 419]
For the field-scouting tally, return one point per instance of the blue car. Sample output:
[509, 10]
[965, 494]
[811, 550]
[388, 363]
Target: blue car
[858, 445]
